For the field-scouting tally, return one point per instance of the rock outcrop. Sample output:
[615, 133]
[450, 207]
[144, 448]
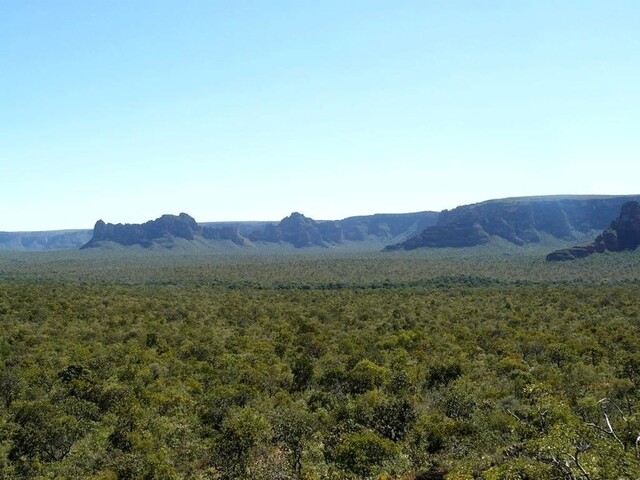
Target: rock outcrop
[296, 229]
[161, 231]
[622, 234]
[520, 221]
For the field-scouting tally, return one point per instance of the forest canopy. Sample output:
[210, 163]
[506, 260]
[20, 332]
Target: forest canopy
[405, 366]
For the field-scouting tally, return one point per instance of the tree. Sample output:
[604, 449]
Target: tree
[9, 386]
[302, 370]
[44, 433]
[292, 426]
[242, 430]
[362, 452]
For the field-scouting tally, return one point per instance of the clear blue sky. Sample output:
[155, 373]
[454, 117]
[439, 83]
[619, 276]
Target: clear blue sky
[249, 110]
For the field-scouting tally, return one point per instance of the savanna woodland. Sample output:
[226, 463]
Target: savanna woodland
[428, 365]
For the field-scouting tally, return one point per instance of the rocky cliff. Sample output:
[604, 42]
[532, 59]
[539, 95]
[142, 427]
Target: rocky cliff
[520, 221]
[622, 234]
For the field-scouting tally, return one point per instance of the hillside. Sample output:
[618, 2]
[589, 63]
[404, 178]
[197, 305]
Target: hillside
[521, 221]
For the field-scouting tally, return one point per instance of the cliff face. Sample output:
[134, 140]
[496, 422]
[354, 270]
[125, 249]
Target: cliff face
[622, 234]
[520, 221]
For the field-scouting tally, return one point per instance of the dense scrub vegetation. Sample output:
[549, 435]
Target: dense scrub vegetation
[145, 367]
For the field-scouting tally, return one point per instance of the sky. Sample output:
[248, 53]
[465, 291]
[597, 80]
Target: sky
[249, 110]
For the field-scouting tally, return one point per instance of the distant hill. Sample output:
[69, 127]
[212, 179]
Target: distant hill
[41, 241]
[521, 221]
[301, 231]
[622, 234]
[296, 230]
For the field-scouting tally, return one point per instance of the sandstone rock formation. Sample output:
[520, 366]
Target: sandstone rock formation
[622, 234]
[167, 228]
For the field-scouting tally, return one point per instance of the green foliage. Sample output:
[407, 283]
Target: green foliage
[441, 374]
[362, 453]
[302, 371]
[241, 432]
[9, 386]
[364, 376]
[293, 428]
[44, 432]
[312, 367]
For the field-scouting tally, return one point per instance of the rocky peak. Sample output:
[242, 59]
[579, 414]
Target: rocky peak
[167, 226]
